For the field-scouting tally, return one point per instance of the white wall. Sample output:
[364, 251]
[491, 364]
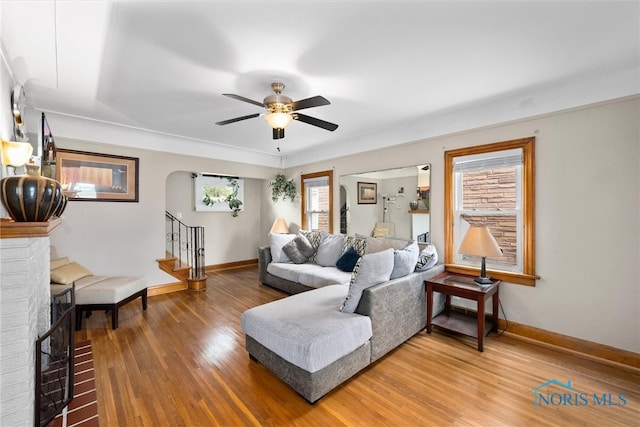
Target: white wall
[587, 216]
[227, 238]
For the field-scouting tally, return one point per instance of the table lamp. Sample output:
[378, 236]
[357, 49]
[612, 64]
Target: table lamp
[279, 227]
[479, 242]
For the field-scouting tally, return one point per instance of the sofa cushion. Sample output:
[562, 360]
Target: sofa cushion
[314, 238]
[348, 260]
[330, 249]
[427, 258]
[309, 274]
[69, 273]
[404, 260]
[299, 249]
[276, 242]
[323, 277]
[289, 271]
[356, 242]
[370, 270]
[378, 244]
[306, 329]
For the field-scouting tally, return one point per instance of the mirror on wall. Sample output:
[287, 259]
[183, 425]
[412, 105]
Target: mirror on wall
[392, 202]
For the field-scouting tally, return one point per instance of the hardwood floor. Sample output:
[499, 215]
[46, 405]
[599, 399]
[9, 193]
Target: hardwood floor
[183, 363]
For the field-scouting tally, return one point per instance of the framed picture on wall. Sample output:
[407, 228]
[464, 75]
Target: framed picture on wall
[367, 193]
[213, 193]
[97, 177]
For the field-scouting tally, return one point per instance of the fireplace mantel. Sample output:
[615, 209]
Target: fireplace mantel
[10, 229]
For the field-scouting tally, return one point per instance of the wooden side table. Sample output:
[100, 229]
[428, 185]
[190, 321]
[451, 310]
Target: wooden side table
[464, 287]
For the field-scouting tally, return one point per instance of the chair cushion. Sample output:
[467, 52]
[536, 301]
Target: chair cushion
[69, 273]
[307, 329]
[58, 262]
[107, 289]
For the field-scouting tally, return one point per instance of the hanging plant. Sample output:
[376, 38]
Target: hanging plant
[281, 187]
[232, 198]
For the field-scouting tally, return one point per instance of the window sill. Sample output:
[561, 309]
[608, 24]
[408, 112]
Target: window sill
[505, 276]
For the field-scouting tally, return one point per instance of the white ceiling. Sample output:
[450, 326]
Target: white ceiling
[151, 74]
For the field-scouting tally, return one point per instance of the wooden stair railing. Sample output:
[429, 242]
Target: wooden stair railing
[185, 256]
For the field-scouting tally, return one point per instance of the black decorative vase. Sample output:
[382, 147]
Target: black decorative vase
[61, 206]
[31, 197]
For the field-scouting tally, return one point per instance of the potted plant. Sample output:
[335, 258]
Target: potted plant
[232, 198]
[282, 187]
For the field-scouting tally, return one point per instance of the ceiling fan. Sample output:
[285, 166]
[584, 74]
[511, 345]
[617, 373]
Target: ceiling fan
[281, 110]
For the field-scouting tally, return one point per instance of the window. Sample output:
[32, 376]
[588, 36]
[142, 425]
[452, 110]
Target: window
[317, 201]
[492, 185]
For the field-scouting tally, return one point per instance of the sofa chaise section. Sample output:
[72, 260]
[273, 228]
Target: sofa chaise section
[396, 310]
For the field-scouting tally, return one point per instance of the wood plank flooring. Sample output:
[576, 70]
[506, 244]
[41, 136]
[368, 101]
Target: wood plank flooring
[183, 363]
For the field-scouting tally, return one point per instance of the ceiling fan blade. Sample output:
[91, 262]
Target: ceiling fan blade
[314, 101]
[237, 119]
[242, 98]
[315, 122]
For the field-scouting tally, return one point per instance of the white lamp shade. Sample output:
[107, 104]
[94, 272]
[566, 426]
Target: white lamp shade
[278, 120]
[479, 242]
[279, 226]
[15, 153]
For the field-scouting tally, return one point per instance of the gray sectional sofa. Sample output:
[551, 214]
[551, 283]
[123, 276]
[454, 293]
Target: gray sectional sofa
[314, 346]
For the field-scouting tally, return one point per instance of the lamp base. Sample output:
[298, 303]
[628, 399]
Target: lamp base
[483, 281]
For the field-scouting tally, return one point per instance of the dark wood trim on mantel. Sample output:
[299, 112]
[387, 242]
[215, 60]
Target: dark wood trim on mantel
[10, 229]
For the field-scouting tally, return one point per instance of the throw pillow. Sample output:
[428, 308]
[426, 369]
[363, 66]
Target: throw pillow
[356, 242]
[330, 249]
[276, 242]
[381, 231]
[427, 258]
[370, 270]
[314, 238]
[69, 273]
[404, 260]
[299, 249]
[55, 263]
[348, 260]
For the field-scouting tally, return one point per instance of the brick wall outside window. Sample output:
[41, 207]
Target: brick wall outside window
[490, 190]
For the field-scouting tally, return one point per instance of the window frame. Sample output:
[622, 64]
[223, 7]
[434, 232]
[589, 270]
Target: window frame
[303, 201]
[528, 276]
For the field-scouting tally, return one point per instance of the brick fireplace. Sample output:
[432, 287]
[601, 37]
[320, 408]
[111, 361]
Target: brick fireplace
[24, 314]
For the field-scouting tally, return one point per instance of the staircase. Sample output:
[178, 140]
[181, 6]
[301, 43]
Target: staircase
[185, 254]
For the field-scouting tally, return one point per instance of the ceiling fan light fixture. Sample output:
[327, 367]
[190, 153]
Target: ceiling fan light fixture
[278, 120]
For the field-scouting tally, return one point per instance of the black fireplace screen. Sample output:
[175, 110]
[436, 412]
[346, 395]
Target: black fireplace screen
[54, 360]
